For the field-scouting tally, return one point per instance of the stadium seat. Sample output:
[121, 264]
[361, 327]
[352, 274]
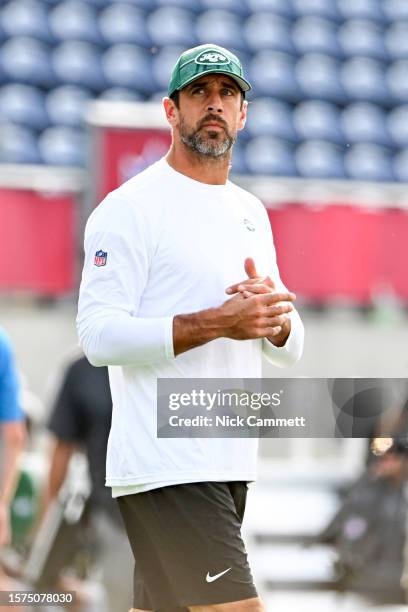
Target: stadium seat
[361, 9]
[368, 162]
[23, 104]
[315, 35]
[238, 162]
[78, 63]
[319, 159]
[395, 10]
[75, 20]
[396, 41]
[26, 60]
[268, 31]
[195, 6]
[18, 145]
[365, 122]
[123, 23]
[278, 7]
[66, 105]
[318, 8]
[397, 122]
[163, 63]
[171, 26]
[121, 94]
[269, 117]
[222, 28]
[269, 156]
[239, 7]
[318, 120]
[272, 74]
[400, 165]
[318, 78]
[397, 80]
[363, 79]
[63, 146]
[362, 37]
[26, 18]
[129, 66]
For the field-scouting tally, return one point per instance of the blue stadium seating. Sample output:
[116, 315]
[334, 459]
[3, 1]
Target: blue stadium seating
[23, 104]
[123, 23]
[400, 165]
[268, 31]
[78, 63]
[315, 35]
[270, 117]
[369, 162]
[363, 79]
[66, 105]
[63, 146]
[396, 40]
[278, 7]
[162, 64]
[171, 26]
[361, 9]
[18, 145]
[26, 18]
[26, 60]
[318, 120]
[239, 7]
[365, 122]
[318, 8]
[397, 81]
[397, 122]
[395, 10]
[362, 37]
[221, 27]
[319, 159]
[272, 74]
[269, 156]
[128, 66]
[318, 78]
[121, 94]
[75, 20]
[238, 161]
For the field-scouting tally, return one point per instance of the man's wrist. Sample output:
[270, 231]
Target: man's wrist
[280, 339]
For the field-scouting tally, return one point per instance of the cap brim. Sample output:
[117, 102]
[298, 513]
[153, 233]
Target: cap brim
[243, 84]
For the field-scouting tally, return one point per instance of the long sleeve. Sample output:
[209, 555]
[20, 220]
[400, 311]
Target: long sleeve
[291, 352]
[110, 332]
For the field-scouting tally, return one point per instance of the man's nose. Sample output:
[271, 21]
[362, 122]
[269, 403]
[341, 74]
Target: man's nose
[215, 103]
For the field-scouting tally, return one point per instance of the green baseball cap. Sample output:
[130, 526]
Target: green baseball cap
[206, 59]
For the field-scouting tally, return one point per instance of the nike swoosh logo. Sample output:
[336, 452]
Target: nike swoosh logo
[209, 578]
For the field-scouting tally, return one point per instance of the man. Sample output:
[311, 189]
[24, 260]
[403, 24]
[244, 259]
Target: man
[162, 252]
[12, 440]
[81, 419]
[12, 434]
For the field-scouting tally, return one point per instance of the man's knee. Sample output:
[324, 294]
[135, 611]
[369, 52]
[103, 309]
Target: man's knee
[245, 605]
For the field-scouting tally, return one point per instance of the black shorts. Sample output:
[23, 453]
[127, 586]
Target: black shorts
[186, 540]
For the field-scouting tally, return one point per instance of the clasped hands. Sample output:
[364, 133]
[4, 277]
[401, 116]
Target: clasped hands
[266, 309]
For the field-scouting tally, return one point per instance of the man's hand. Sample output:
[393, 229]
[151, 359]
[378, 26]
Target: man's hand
[257, 285]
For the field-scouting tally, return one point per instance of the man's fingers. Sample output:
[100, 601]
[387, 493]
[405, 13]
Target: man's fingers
[250, 268]
[250, 282]
[272, 298]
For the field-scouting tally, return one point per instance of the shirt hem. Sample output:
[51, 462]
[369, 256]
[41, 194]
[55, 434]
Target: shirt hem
[179, 478]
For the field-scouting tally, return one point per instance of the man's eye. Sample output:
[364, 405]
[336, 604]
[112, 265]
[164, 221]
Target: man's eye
[198, 90]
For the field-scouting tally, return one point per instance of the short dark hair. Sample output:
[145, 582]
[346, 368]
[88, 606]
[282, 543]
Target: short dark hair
[175, 96]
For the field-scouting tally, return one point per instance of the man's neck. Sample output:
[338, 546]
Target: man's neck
[198, 167]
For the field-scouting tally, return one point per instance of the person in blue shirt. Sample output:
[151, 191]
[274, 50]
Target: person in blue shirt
[12, 433]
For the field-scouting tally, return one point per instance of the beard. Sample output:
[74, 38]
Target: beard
[212, 144]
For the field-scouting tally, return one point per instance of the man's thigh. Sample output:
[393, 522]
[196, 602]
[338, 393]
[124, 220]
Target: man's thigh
[187, 544]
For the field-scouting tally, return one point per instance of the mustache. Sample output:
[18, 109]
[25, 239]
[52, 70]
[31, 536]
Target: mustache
[212, 119]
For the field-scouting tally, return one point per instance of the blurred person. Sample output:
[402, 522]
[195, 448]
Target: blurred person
[368, 531]
[12, 440]
[80, 420]
[161, 253]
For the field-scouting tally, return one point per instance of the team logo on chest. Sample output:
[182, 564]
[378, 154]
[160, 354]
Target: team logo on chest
[100, 258]
[249, 225]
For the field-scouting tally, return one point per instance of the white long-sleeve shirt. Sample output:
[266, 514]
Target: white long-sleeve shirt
[166, 245]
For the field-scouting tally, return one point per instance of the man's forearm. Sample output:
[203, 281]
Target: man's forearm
[196, 329]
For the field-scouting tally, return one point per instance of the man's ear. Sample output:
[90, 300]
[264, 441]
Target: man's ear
[242, 115]
[171, 111]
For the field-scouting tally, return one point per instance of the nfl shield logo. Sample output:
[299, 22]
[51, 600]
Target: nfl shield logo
[100, 258]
